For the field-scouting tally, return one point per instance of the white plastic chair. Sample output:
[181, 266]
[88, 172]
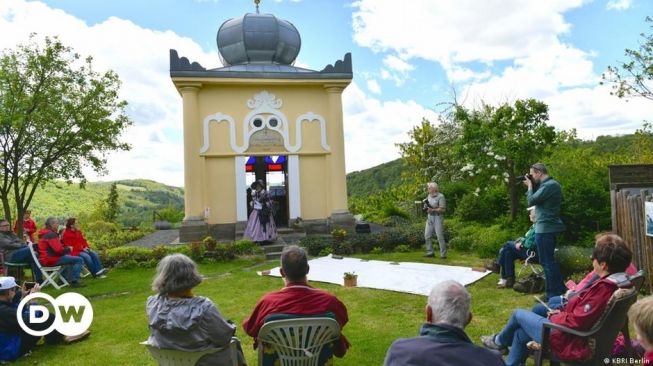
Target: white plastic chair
[298, 342]
[173, 357]
[50, 274]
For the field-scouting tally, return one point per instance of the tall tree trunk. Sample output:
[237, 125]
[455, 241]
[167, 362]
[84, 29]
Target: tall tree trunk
[6, 208]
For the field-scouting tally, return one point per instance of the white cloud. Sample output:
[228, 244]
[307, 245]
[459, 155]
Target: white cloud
[528, 39]
[618, 4]
[140, 56]
[372, 127]
[373, 86]
[397, 64]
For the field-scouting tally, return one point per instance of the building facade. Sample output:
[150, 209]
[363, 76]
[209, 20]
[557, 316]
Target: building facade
[259, 117]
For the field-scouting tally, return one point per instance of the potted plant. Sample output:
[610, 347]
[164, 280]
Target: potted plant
[339, 234]
[351, 279]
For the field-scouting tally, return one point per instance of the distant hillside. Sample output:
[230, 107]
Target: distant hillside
[139, 198]
[375, 179]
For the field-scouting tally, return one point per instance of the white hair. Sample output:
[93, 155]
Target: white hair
[450, 302]
[431, 185]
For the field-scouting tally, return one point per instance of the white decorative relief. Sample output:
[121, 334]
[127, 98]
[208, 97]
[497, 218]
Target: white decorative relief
[265, 114]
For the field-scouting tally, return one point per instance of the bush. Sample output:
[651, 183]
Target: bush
[573, 259]
[314, 244]
[343, 248]
[326, 251]
[377, 250]
[485, 207]
[361, 243]
[402, 249]
[245, 247]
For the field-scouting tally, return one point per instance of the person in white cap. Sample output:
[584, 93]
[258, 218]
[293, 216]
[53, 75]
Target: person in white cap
[14, 341]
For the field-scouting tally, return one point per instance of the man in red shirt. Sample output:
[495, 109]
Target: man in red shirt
[297, 298]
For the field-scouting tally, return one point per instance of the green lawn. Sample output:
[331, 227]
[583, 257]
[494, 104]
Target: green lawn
[377, 318]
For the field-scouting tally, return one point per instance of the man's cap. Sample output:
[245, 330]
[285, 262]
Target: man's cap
[7, 283]
[530, 208]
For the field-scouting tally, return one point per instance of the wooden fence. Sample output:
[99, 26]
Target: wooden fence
[630, 187]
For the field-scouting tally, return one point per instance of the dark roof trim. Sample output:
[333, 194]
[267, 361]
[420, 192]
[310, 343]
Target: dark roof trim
[182, 67]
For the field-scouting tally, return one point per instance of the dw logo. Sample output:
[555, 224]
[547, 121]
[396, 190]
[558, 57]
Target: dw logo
[73, 314]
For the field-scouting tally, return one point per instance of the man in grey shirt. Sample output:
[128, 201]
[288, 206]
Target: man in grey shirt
[434, 206]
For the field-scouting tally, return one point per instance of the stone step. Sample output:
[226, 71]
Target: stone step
[272, 255]
[273, 248]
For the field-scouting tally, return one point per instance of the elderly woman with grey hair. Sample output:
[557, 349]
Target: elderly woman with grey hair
[179, 320]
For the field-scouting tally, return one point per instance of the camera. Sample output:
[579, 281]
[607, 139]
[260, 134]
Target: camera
[29, 285]
[523, 177]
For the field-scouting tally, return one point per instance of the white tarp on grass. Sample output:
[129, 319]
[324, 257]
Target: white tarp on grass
[409, 277]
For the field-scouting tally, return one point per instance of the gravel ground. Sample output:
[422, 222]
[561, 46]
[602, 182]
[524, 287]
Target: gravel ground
[157, 238]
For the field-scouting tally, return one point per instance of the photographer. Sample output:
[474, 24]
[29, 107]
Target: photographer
[434, 205]
[546, 198]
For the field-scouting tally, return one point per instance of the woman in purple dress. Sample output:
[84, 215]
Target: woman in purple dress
[260, 226]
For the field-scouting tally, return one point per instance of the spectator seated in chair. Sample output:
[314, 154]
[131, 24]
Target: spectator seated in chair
[16, 250]
[74, 238]
[180, 320]
[296, 298]
[641, 315]
[14, 341]
[521, 248]
[610, 259]
[53, 253]
[442, 340]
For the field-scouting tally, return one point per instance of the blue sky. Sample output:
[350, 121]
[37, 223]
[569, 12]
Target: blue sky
[408, 56]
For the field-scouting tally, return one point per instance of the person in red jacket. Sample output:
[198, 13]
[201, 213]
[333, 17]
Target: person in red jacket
[53, 253]
[610, 259]
[74, 238]
[297, 298]
[29, 226]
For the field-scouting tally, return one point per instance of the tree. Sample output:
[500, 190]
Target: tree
[429, 151]
[498, 144]
[634, 77]
[112, 205]
[57, 115]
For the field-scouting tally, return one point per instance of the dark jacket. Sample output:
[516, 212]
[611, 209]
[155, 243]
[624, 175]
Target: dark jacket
[440, 345]
[9, 243]
[10, 332]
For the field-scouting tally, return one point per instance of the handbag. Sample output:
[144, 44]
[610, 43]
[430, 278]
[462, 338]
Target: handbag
[532, 284]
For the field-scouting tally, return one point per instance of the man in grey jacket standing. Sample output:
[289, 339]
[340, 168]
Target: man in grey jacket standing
[434, 206]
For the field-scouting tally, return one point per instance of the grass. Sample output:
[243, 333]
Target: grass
[377, 317]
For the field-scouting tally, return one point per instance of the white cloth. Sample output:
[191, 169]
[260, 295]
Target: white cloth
[408, 277]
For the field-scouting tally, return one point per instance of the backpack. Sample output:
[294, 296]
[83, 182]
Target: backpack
[532, 284]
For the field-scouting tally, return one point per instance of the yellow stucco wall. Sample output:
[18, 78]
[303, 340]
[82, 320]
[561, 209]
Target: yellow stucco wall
[316, 166]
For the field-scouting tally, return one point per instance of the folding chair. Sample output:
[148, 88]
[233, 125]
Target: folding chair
[298, 342]
[173, 357]
[50, 274]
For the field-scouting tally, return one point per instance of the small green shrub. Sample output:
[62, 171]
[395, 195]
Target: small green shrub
[326, 251]
[343, 248]
[573, 259]
[224, 252]
[245, 247]
[376, 250]
[402, 248]
[314, 244]
[361, 243]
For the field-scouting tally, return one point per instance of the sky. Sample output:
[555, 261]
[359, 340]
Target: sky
[409, 58]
